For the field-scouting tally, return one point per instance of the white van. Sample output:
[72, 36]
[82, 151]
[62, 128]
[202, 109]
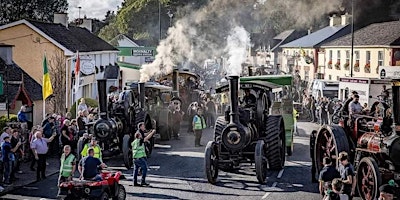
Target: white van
[325, 88]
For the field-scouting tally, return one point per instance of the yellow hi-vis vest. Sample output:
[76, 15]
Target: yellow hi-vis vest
[66, 165]
[199, 123]
[97, 151]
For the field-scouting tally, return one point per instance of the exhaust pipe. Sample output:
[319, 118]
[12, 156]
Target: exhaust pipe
[234, 92]
[175, 83]
[102, 90]
[142, 92]
[250, 70]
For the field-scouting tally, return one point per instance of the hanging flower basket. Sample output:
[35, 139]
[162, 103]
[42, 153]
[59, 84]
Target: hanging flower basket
[357, 66]
[330, 64]
[346, 66]
[337, 65]
[367, 68]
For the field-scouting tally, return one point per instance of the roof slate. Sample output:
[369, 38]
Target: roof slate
[33, 88]
[319, 37]
[73, 38]
[385, 33]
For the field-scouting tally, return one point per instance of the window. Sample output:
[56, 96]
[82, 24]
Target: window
[330, 54]
[368, 57]
[337, 78]
[357, 56]
[330, 77]
[380, 58]
[307, 75]
[347, 56]
[338, 56]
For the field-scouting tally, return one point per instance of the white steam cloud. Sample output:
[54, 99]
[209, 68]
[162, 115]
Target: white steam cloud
[237, 44]
[213, 30]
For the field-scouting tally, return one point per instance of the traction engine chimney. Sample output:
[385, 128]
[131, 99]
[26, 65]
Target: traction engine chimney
[102, 90]
[234, 92]
[142, 98]
[175, 83]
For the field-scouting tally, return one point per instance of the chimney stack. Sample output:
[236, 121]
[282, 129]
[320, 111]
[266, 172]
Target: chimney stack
[61, 18]
[86, 23]
[346, 18]
[334, 20]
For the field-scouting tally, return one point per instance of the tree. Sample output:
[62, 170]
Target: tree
[43, 10]
[57, 71]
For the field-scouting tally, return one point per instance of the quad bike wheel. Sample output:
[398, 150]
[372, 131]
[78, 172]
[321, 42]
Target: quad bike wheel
[127, 151]
[211, 162]
[368, 179]
[276, 142]
[260, 161]
[121, 195]
[104, 196]
[329, 142]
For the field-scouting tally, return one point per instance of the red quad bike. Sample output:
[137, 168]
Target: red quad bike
[108, 188]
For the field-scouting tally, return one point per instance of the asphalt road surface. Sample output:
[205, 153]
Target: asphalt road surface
[177, 172]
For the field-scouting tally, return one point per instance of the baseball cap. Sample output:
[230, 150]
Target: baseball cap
[7, 137]
[386, 188]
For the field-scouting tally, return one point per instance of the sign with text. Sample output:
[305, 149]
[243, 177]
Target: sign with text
[389, 72]
[137, 51]
[352, 80]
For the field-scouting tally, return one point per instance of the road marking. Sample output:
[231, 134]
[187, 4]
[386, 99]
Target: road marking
[268, 193]
[280, 174]
[166, 146]
[274, 184]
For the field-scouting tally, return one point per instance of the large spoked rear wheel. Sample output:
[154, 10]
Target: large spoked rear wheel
[211, 162]
[368, 179]
[127, 151]
[275, 140]
[260, 161]
[329, 142]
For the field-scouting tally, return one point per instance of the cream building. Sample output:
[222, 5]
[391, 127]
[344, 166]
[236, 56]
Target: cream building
[374, 46]
[305, 55]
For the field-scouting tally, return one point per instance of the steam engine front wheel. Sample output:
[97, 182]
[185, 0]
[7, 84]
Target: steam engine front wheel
[127, 151]
[368, 179]
[260, 161]
[211, 162]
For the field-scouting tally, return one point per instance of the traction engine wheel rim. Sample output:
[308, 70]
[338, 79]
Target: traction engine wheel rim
[330, 141]
[127, 151]
[211, 162]
[260, 161]
[273, 140]
[368, 179]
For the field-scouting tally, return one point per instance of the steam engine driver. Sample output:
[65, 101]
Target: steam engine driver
[249, 99]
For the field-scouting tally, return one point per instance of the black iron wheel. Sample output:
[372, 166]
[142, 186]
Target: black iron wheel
[275, 141]
[127, 151]
[104, 196]
[211, 162]
[260, 161]
[368, 179]
[220, 124]
[329, 142]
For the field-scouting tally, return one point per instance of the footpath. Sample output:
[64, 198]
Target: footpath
[27, 177]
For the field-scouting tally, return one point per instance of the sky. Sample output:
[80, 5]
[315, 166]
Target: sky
[91, 8]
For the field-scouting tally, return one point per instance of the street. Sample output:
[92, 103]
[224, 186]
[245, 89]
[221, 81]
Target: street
[176, 172]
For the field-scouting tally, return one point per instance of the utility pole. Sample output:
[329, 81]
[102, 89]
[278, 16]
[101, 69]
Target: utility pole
[159, 20]
[352, 38]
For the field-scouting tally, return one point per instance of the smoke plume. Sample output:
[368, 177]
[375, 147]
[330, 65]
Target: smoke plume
[207, 32]
[237, 43]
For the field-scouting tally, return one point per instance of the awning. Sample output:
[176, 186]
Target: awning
[128, 65]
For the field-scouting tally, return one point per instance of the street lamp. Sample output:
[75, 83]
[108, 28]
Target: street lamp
[170, 15]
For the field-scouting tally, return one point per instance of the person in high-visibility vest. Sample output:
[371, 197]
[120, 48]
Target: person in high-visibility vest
[198, 123]
[97, 149]
[67, 167]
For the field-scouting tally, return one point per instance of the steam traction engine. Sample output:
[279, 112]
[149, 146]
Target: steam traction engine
[246, 134]
[373, 144]
[118, 120]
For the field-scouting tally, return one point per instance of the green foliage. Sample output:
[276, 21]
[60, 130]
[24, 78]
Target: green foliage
[89, 102]
[4, 120]
[43, 10]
